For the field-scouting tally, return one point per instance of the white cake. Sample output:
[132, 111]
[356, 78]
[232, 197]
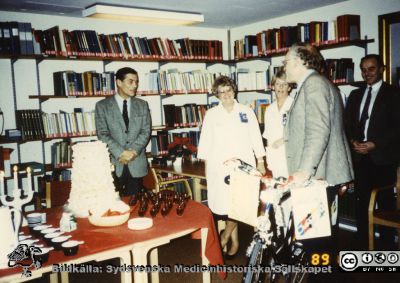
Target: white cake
[92, 187]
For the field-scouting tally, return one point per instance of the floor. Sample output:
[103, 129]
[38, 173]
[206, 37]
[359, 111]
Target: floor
[187, 251]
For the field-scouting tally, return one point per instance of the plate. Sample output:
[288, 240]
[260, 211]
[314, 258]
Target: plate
[108, 221]
[140, 223]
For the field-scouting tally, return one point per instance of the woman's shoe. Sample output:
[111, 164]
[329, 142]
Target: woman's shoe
[230, 257]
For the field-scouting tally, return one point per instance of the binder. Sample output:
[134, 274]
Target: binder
[22, 38]
[29, 39]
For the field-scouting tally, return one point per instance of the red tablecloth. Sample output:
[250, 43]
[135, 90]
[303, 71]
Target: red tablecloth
[99, 239]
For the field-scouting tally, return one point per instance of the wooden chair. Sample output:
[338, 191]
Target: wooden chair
[157, 182]
[384, 218]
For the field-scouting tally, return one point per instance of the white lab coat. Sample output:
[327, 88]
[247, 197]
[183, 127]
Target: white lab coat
[224, 136]
[273, 130]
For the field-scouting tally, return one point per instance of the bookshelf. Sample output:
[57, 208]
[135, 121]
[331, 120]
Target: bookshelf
[166, 94]
[362, 43]
[39, 60]
[45, 98]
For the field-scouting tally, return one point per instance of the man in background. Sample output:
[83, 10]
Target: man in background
[373, 129]
[124, 123]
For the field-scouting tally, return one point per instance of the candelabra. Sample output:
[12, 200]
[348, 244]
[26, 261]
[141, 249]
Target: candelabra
[17, 202]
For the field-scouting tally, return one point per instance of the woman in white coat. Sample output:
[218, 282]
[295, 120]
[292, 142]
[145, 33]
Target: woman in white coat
[230, 130]
[274, 121]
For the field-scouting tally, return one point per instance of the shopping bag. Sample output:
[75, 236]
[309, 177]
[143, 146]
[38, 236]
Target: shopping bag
[310, 210]
[244, 192]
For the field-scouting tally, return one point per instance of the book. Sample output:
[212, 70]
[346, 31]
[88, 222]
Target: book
[348, 27]
[29, 39]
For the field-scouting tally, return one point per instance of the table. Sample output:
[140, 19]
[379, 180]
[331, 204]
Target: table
[195, 170]
[103, 243]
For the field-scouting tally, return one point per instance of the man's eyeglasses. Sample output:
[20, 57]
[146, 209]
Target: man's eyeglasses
[281, 84]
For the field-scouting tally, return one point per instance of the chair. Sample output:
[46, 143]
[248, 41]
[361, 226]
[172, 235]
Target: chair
[384, 218]
[157, 182]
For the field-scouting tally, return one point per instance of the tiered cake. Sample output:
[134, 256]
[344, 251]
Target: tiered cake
[92, 187]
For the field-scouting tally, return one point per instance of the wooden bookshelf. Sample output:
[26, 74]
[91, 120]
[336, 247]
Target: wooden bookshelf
[5, 140]
[256, 90]
[102, 58]
[46, 97]
[112, 59]
[320, 46]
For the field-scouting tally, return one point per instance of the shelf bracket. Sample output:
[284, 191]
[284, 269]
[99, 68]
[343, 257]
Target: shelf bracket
[12, 62]
[162, 63]
[105, 63]
[39, 60]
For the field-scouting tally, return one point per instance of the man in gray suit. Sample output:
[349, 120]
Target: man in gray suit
[314, 136]
[124, 123]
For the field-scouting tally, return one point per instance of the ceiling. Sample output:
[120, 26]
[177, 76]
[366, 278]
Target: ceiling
[217, 13]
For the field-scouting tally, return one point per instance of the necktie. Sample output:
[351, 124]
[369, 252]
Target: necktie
[364, 114]
[125, 113]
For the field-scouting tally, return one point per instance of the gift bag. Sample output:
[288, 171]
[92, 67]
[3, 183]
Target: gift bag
[244, 192]
[310, 210]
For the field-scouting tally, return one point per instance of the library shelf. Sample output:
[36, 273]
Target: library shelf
[320, 45]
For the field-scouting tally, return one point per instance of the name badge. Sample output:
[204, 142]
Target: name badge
[284, 119]
[243, 117]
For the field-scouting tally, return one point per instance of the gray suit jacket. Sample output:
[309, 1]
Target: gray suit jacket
[111, 129]
[314, 134]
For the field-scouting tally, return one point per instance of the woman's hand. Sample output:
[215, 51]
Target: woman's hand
[261, 167]
[277, 143]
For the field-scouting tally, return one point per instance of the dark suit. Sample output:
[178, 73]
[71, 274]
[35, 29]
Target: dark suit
[378, 167]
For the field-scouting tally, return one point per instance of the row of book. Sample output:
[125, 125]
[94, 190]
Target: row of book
[30, 123]
[162, 139]
[35, 124]
[340, 70]
[16, 38]
[20, 39]
[90, 43]
[61, 154]
[247, 80]
[276, 40]
[259, 106]
[172, 81]
[188, 115]
[70, 83]
[63, 124]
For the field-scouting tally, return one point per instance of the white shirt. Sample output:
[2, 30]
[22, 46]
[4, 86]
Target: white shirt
[274, 122]
[120, 102]
[374, 94]
[224, 136]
